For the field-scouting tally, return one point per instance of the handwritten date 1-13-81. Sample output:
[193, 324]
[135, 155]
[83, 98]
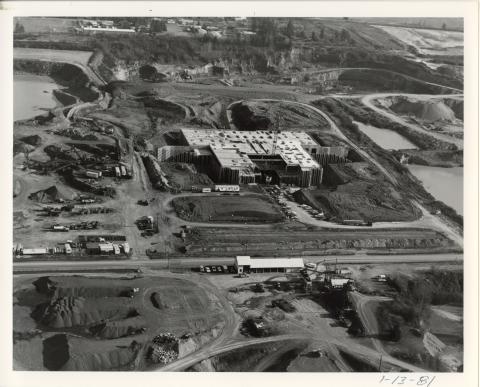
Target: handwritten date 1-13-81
[407, 380]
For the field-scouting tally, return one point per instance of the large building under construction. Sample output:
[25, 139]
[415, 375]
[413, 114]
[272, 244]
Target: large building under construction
[242, 157]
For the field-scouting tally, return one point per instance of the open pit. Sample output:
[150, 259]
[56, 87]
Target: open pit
[261, 115]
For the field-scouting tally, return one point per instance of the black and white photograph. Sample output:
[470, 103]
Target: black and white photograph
[259, 193]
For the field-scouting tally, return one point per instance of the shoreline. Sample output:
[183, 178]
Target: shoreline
[37, 78]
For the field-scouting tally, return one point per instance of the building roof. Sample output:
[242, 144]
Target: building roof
[234, 146]
[339, 281]
[264, 263]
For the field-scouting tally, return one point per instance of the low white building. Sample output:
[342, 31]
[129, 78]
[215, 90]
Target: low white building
[246, 264]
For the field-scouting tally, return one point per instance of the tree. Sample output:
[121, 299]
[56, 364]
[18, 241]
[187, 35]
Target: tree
[158, 25]
[314, 36]
[19, 28]
[125, 24]
[254, 25]
[322, 33]
[444, 26]
[290, 29]
[344, 35]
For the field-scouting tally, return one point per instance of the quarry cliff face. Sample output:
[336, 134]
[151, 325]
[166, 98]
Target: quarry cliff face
[64, 74]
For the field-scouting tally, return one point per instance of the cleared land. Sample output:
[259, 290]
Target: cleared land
[245, 208]
[80, 323]
[430, 42]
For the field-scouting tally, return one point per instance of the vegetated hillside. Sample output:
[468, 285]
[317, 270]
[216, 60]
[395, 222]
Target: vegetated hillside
[334, 31]
[293, 43]
[411, 307]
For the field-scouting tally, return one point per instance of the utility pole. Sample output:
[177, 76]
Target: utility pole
[380, 365]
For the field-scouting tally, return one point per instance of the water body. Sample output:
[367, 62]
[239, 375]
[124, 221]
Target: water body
[387, 139]
[32, 95]
[445, 184]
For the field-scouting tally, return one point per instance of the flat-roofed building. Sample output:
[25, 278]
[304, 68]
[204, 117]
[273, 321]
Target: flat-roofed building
[240, 157]
[246, 264]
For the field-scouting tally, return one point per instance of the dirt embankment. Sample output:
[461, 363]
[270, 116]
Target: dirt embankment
[71, 77]
[285, 242]
[59, 355]
[362, 201]
[384, 80]
[258, 115]
[432, 158]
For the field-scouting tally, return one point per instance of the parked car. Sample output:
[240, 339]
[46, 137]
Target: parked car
[202, 269]
[207, 269]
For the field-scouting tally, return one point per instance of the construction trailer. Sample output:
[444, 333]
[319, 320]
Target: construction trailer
[246, 264]
[227, 188]
[35, 251]
[93, 174]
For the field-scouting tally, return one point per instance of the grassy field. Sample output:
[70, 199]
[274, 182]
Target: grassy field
[45, 24]
[227, 209]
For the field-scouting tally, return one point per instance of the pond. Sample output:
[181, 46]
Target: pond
[32, 95]
[386, 138]
[445, 184]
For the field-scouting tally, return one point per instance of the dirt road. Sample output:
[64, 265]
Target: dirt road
[366, 307]
[356, 349]
[70, 266]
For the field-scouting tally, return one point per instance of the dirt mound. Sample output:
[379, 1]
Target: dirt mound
[263, 115]
[114, 329]
[58, 355]
[57, 287]
[67, 312]
[359, 200]
[456, 105]
[56, 352]
[34, 140]
[116, 359]
[424, 110]
[249, 116]
[157, 301]
[49, 195]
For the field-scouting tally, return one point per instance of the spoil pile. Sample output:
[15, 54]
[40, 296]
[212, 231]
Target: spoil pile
[262, 115]
[49, 195]
[34, 140]
[79, 287]
[59, 355]
[67, 312]
[114, 329]
[430, 111]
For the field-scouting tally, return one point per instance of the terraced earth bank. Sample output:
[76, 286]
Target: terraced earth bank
[82, 323]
